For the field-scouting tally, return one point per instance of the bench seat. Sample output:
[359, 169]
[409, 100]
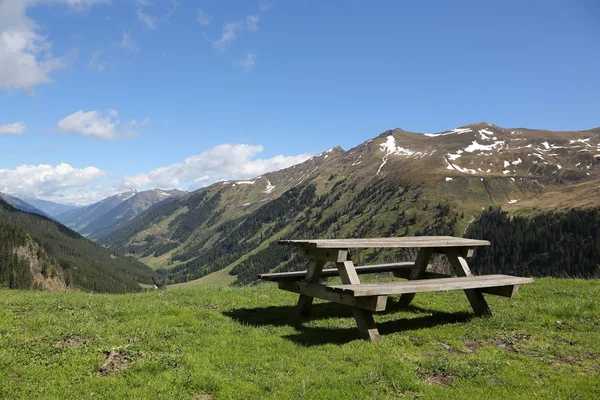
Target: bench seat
[400, 270]
[484, 283]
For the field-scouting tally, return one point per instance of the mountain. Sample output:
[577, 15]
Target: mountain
[36, 251]
[397, 184]
[49, 207]
[81, 217]
[22, 205]
[120, 215]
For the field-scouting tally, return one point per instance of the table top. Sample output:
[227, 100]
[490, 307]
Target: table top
[411, 241]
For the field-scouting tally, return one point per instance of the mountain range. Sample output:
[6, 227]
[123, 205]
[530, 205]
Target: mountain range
[398, 183]
[108, 215]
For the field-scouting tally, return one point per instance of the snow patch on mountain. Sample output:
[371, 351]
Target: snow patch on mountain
[270, 187]
[481, 147]
[457, 131]
[390, 147]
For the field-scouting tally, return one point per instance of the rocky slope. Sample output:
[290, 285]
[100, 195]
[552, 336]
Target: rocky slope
[398, 183]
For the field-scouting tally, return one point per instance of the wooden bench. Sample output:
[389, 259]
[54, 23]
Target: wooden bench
[400, 270]
[482, 283]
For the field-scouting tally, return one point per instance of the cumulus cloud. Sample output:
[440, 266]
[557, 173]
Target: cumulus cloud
[99, 125]
[247, 62]
[46, 180]
[13, 129]
[232, 29]
[226, 161]
[26, 58]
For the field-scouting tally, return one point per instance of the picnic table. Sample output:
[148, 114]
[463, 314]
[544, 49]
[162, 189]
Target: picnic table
[366, 298]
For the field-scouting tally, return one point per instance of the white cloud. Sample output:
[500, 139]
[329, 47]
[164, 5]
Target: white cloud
[203, 18]
[232, 29]
[147, 19]
[129, 44]
[26, 58]
[13, 129]
[252, 23]
[95, 62]
[247, 62]
[152, 21]
[226, 161]
[46, 180]
[98, 125]
[264, 5]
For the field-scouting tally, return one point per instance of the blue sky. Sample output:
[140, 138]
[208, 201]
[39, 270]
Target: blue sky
[98, 95]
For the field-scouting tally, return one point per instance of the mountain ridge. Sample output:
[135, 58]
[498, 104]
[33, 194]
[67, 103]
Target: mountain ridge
[396, 184]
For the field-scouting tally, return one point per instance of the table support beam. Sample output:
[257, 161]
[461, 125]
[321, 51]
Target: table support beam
[457, 258]
[312, 276]
[364, 318]
[417, 272]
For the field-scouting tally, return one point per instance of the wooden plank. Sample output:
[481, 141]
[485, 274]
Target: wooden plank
[304, 302]
[429, 285]
[417, 272]
[335, 255]
[366, 325]
[347, 272]
[458, 260]
[414, 241]
[364, 318]
[505, 291]
[372, 303]
[403, 269]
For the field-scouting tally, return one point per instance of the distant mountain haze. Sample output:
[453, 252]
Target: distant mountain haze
[128, 209]
[49, 207]
[22, 205]
[79, 218]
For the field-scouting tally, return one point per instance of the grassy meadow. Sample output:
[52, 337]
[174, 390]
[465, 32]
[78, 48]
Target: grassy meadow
[239, 343]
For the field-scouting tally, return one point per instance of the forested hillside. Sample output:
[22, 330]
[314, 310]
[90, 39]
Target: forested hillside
[83, 264]
[548, 244]
[14, 272]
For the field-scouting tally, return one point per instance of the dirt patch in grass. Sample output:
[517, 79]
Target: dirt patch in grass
[508, 342]
[439, 378]
[72, 342]
[473, 345]
[451, 349]
[115, 362]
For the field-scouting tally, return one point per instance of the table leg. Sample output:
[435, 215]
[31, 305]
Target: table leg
[417, 272]
[364, 318]
[458, 260]
[312, 275]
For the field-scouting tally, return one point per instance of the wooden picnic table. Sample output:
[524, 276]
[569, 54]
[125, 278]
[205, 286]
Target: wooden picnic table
[367, 298]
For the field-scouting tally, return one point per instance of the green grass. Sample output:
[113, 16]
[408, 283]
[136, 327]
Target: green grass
[235, 343]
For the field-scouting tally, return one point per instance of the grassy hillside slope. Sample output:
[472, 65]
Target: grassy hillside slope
[233, 343]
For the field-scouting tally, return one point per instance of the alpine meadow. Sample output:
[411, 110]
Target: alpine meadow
[275, 199]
